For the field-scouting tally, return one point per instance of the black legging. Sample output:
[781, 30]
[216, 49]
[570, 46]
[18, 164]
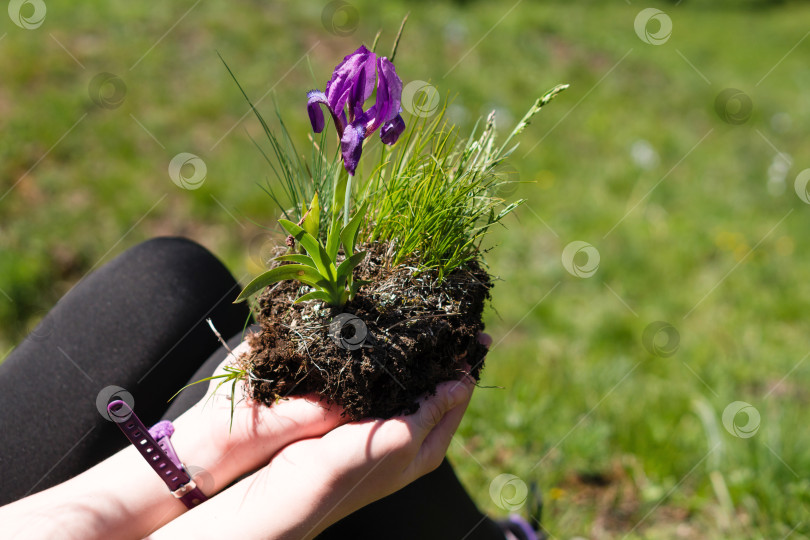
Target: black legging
[139, 323]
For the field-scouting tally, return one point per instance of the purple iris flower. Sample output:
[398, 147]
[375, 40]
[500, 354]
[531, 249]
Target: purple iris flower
[351, 85]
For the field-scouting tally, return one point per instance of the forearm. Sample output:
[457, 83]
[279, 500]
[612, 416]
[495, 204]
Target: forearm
[277, 502]
[120, 497]
[123, 498]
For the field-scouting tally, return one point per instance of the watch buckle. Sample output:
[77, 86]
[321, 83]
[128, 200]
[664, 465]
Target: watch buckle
[183, 490]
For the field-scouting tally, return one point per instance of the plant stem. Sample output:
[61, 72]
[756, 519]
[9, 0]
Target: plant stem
[376, 39]
[399, 35]
[347, 200]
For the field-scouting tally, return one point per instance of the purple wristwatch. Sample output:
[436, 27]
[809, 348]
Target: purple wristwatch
[156, 448]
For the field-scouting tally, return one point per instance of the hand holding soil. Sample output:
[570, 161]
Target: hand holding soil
[257, 432]
[314, 482]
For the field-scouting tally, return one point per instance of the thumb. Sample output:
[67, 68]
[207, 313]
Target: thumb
[454, 396]
[433, 409]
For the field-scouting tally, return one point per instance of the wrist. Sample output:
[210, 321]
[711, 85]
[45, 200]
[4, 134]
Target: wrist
[275, 502]
[118, 498]
[209, 437]
[205, 458]
[221, 452]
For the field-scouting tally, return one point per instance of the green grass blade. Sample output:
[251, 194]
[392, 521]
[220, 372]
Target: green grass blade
[211, 378]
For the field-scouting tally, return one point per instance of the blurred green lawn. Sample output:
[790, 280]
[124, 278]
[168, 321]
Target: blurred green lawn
[695, 220]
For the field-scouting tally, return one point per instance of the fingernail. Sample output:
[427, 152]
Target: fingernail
[466, 374]
[484, 339]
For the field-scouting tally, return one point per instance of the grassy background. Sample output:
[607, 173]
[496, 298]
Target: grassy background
[696, 222]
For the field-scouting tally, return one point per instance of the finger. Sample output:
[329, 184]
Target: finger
[484, 339]
[267, 429]
[256, 431]
[305, 416]
[402, 435]
[433, 408]
[434, 447]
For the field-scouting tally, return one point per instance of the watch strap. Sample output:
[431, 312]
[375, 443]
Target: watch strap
[156, 448]
[162, 432]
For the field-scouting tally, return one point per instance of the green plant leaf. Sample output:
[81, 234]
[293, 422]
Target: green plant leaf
[355, 286]
[316, 295]
[319, 256]
[342, 178]
[305, 274]
[312, 221]
[333, 241]
[349, 233]
[297, 258]
[346, 267]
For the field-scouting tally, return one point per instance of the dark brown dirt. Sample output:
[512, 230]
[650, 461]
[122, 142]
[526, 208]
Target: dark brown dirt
[401, 336]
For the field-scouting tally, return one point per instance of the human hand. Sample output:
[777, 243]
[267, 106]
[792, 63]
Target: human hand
[228, 443]
[313, 483]
[361, 462]
[323, 480]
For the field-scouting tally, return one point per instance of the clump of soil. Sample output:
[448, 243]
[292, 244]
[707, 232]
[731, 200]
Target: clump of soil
[401, 335]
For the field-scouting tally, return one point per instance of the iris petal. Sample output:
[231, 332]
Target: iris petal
[315, 98]
[389, 96]
[351, 145]
[352, 83]
[353, 78]
[357, 95]
[391, 130]
[393, 86]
